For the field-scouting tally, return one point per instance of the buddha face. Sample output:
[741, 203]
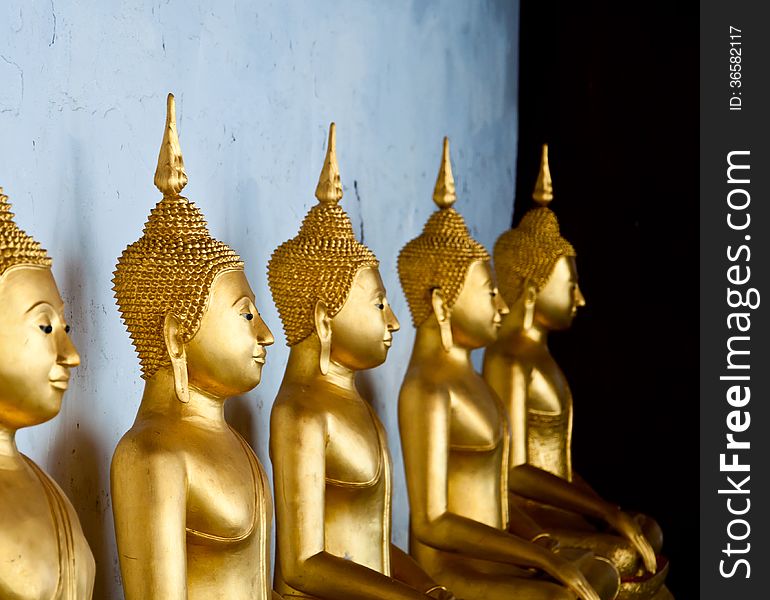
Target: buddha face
[558, 301]
[476, 314]
[36, 353]
[226, 354]
[362, 330]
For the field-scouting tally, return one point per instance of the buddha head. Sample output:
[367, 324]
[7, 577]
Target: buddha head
[327, 285]
[446, 274]
[536, 265]
[183, 295]
[36, 354]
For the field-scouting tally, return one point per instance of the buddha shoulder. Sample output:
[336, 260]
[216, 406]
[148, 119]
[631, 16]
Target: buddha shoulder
[147, 446]
[425, 384]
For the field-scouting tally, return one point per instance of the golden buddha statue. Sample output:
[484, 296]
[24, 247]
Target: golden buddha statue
[454, 431]
[538, 279]
[191, 502]
[43, 552]
[331, 464]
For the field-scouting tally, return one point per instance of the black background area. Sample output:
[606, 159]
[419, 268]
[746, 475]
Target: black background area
[615, 94]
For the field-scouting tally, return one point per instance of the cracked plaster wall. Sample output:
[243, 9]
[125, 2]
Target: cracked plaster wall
[82, 88]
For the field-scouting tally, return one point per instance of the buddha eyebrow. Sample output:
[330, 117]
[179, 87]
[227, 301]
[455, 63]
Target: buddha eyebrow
[242, 298]
[42, 302]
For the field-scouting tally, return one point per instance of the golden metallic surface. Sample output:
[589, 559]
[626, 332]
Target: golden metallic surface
[331, 464]
[43, 552]
[455, 440]
[172, 266]
[538, 279]
[191, 502]
[320, 262]
[16, 247]
[441, 255]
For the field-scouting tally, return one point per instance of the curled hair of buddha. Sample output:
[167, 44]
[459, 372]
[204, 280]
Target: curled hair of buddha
[170, 268]
[16, 247]
[320, 262]
[441, 255]
[528, 253]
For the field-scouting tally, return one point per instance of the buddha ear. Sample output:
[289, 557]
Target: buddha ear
[530, 300]
[444, 317]
[323, 328]
[172, 336]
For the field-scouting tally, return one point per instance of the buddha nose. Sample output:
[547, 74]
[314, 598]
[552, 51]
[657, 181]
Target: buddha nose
[580, 300]
[264, 335]
[500, 304]
[67, 355]
[391, 320]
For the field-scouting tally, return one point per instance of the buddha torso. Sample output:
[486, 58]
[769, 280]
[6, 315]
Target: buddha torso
[533, 387]
[43, 552]
[228, 507]
[478, 445]
[357, 490]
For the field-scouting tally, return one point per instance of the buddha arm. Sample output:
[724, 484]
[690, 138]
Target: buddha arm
[510, 383]
[513, 385]
[546, 487]
[424, 423]
[149, 508]
[404, 568]
[298, 452]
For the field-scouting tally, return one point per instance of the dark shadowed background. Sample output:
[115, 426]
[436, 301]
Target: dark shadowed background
[615, 94]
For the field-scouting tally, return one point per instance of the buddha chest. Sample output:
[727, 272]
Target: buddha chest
[549, 420]
[477, 441]
[476, 417]
[357, 509]
[223, 494]
[43, 553]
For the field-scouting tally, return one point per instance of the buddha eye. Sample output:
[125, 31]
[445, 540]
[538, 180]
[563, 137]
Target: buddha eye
[248, 316]
[46, 328]
[381, 306]
[493, 293]
[67, 329]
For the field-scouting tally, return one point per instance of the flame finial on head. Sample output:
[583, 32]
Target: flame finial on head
[172, 266]
[440, 256]
[543, 192]
[528, 252]
[329, 188]
[170, 176]
[321, 261]
[444, 193]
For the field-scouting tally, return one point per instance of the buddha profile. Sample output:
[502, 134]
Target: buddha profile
[191, 502]
[331, 464]
[538, 279]
[454, 432]
[43, 552]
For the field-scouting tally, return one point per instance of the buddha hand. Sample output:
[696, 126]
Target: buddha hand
[571, 576]
[629, 528]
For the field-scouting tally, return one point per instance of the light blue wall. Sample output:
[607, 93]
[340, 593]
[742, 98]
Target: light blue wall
[82, 100]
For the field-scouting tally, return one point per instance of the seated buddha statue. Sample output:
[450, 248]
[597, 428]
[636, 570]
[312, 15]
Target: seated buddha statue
[538, 279]
[43, 552]
[454, 432]
[191, 502]
[331, 464]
